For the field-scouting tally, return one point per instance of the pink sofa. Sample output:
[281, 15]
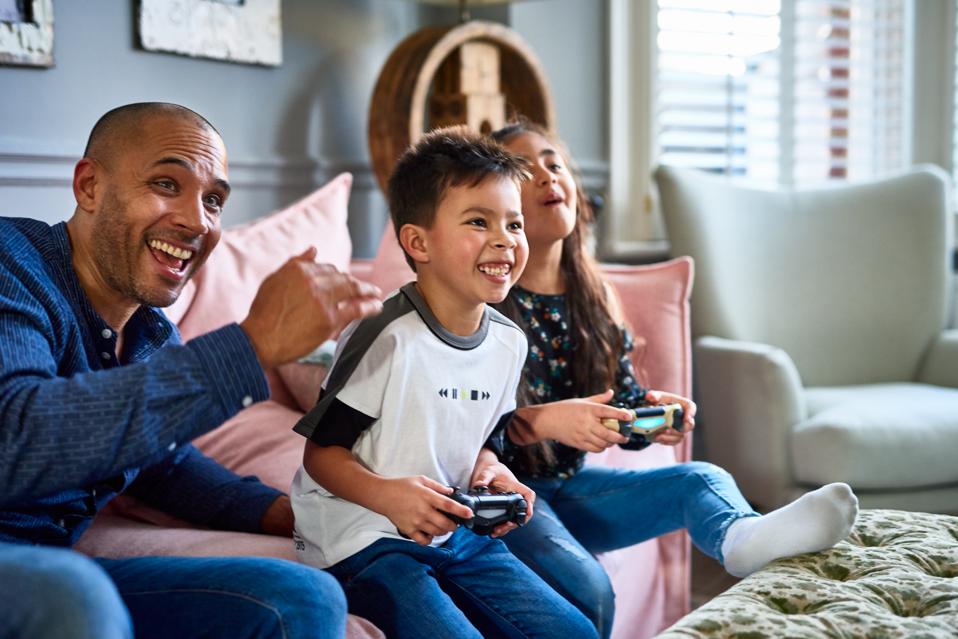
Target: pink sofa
[651, 580]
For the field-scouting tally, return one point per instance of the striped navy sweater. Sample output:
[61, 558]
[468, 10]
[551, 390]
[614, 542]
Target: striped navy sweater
[77, 426]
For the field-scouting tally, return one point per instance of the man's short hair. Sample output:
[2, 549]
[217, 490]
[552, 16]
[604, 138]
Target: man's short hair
[443, 158]
[126, 119]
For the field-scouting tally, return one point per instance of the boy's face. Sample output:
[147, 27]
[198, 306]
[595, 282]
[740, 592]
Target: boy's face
[476, 246]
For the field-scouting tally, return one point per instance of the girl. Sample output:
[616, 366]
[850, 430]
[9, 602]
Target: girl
[579, 348]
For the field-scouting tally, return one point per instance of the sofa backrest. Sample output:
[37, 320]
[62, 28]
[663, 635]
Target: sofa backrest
[850, 281]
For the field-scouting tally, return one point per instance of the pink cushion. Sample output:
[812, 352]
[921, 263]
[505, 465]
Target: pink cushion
[655, 299]
[303, 382]
[389, 268]
[178, 309]
[258, 441]
[651, 580]
[227, 283]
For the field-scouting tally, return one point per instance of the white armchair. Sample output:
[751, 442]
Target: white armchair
[821, 350]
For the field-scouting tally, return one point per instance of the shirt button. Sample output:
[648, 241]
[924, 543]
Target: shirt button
[247, 401]
[105, 355]
[61, 523]
[171, 447]
[106, 333]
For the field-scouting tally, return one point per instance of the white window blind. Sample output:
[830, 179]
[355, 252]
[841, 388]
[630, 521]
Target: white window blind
[798, 92]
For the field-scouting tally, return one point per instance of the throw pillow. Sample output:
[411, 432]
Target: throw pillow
[389, 268]
[246, 255]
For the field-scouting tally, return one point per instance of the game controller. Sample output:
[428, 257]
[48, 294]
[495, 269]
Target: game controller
[647, 422]
[489, 508]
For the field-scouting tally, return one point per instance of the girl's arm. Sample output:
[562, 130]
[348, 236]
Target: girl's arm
[573, 422]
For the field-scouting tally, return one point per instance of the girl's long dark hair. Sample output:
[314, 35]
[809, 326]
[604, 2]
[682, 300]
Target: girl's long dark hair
[597, 339]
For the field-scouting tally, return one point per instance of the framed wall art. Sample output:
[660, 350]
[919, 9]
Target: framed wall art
[26, 32]
[247, 31]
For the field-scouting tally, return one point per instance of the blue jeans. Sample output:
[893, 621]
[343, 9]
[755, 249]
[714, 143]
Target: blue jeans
[601, 508]
[230, 597]
[471, 586]
[53, 592]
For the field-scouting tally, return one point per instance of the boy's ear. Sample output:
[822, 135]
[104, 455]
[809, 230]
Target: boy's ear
[412, 238]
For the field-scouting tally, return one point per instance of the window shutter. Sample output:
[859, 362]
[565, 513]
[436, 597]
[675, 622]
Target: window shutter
[797, 94]
[848, 89]
[717, 86]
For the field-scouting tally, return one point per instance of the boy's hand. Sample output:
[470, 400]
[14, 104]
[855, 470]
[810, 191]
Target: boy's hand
[417, 507]
[489, 471]
[670, 436]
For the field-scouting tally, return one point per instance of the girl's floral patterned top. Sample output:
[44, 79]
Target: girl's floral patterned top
[548, 368]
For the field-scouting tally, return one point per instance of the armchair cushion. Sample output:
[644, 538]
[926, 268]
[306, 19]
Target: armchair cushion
[893, 430]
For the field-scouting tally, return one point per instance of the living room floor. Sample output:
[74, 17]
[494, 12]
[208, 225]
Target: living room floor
[709, 578]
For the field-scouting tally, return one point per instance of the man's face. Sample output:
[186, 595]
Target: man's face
[159, 216]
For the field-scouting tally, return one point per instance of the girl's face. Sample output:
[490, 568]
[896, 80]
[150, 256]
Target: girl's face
[549, 199]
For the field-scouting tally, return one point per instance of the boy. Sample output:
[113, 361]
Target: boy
[409, 408]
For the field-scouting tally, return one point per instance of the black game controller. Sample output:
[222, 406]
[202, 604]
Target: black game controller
[647, 422]
[490, 508]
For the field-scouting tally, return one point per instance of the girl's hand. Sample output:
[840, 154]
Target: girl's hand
[489, 471]
[417, 507]
[574, 422]
[671, 437]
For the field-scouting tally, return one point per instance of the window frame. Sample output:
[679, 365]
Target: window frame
[632, 228]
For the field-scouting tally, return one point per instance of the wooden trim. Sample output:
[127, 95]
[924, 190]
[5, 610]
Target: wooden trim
[398, 109]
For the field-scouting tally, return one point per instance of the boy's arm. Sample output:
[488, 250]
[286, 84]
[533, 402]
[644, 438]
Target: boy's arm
[415, 505]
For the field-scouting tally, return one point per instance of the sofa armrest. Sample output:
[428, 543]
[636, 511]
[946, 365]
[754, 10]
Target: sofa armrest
[750, 395]
[941, 362]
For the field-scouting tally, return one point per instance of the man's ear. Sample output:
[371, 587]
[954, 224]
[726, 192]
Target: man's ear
[85, 184]
[412, 238]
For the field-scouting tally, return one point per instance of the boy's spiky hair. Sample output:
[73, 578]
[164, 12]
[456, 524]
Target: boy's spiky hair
[443, 158]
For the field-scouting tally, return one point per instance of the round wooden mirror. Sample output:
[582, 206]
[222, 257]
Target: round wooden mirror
[478, 73]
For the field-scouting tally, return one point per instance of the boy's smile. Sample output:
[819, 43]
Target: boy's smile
[473, 252]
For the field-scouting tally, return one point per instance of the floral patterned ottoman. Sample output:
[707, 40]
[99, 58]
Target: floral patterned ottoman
[895, 576]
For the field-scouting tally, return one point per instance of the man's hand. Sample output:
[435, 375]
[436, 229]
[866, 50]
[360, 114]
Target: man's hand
[278, 518]
[489, 471]
[417, 507]
[573, 422]
[303, 304]
[670, 436]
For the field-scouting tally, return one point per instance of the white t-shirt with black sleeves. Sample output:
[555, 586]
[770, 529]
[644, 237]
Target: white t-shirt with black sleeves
[407, 397]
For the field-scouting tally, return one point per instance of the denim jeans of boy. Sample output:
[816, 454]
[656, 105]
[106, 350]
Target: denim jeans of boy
[601, 508]
[471, 586]
[55, 592]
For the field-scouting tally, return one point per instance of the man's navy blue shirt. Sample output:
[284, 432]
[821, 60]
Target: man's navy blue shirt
[77, 426]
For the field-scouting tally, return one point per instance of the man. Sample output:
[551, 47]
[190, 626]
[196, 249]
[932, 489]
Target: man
[98, 396]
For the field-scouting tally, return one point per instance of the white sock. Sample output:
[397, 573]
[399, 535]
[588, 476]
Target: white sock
[817, 520]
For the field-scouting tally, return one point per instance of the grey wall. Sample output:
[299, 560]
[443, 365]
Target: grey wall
[569, 37]
[288, 129]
